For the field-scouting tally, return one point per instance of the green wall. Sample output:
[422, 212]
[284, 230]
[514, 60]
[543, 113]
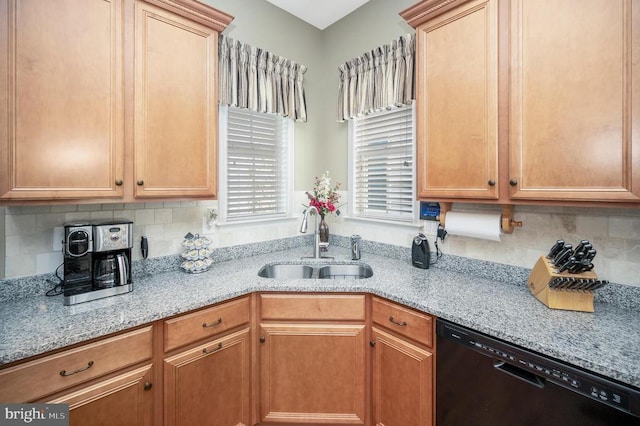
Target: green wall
[321, 143]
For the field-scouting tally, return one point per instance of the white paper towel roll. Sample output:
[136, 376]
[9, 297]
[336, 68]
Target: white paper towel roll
[485, 226]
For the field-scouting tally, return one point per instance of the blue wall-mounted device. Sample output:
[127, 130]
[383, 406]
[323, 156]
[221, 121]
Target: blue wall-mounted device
[429, 210]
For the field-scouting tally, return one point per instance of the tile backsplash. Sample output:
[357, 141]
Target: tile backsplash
[30, 240]
[29, 233]
[614, 233]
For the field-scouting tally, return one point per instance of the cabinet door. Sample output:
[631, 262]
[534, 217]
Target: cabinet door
[125, 400]
[574, 104]
[457, 107]
[402, 382]
[312, 373]
[209, 385]
[176, 112]
[61, 99]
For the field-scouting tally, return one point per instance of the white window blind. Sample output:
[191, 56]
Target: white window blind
[257, 181]
[383, 165]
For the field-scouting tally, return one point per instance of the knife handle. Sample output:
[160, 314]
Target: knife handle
[564, 255]
[555, 249]
[568, 264]
[581, 244]
[598, 284]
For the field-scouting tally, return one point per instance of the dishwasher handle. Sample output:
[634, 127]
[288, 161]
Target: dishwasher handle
[519, 373]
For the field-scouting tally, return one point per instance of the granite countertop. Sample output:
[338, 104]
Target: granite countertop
[606, 342]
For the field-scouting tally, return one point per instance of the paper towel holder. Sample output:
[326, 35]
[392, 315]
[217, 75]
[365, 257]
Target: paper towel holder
[507, 224]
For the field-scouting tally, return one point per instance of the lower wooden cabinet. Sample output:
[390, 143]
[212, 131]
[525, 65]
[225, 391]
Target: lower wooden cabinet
[402, 379]
[312, 373]
[402, 344]
[209, 384]
[124, 400]
[106, 383]
[317, 359]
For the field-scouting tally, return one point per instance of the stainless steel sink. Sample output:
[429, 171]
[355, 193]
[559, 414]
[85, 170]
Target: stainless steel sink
[326, 272]
[334, 272]
[286, 271]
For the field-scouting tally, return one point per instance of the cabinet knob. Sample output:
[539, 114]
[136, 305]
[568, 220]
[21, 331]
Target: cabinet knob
[372, 343]
[513, 182]
[492, 182]
[119, 182]
[148, 386]
[140, 182]
[262, 339]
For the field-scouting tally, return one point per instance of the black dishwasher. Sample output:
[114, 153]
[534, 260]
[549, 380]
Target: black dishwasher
[484, 381]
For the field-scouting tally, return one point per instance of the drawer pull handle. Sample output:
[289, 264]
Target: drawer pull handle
[217, 348]
[212, 324]
[148, 386]
[64, 373]
[396, 322]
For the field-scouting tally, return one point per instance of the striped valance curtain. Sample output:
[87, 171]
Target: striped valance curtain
[379, 79]
[252, 78]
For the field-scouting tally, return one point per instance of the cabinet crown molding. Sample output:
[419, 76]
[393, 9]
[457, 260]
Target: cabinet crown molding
[425, 10]
[200, 12]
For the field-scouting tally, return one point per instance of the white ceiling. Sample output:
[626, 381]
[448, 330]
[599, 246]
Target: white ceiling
[319, 13]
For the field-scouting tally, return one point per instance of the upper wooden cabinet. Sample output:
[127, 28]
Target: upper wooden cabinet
[108, 98]
[527, 101]
[574, 101]
[61, 99]
[457, 107]
[176, 110]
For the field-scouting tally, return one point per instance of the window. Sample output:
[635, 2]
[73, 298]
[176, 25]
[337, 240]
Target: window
[255, 165]
[381, 160]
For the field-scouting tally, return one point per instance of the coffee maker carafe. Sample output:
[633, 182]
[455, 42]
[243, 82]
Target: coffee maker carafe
[111, 254]
[97, 260]
[111, 270]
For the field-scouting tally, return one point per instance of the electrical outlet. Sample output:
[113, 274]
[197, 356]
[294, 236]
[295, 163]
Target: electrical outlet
[209, 221]
[58, 236]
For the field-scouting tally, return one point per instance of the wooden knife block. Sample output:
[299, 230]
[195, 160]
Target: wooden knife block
[572, 300]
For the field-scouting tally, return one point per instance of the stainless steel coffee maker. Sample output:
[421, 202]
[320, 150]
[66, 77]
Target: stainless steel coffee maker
[97, 260]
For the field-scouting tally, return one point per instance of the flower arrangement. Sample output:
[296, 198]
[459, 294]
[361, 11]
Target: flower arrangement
[324, 197]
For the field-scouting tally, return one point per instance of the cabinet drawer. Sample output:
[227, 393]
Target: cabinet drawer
[312, 307]
[32, 380]
[208, 322]
[408, 323]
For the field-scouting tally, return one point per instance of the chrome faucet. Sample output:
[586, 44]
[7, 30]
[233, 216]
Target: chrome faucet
[355, 247]
[303, 229]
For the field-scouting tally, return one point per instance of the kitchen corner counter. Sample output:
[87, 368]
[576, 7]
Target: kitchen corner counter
[605, 342]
